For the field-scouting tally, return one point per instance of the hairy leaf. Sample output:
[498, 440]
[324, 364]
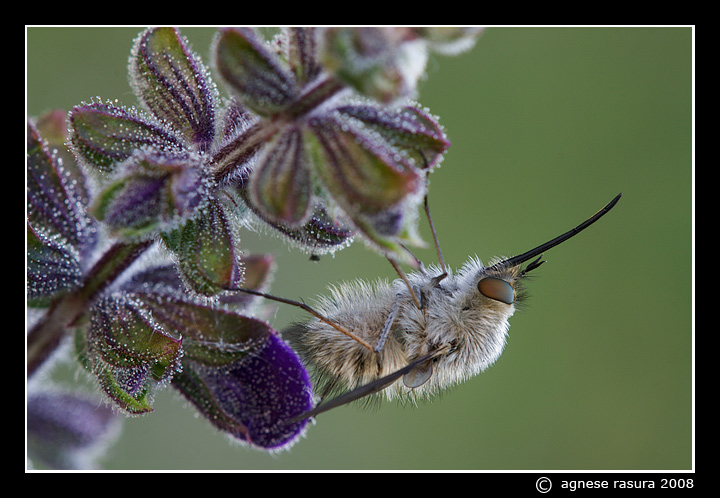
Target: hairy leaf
[173, 84]
[302, 53]
[207, 251]
[52, 269]
[56, 196]
[408, 129]
[255, 74]
[362, 174]
[280, 184]
[104, 134]
[130, 352]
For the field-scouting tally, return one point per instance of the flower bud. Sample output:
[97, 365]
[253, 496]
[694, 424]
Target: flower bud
[248, 386]
[153, 192]
[207, 250]
[129, 352]
[235, 369]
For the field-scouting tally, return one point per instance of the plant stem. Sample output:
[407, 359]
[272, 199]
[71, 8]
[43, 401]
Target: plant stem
[233, 154]
[46, 335]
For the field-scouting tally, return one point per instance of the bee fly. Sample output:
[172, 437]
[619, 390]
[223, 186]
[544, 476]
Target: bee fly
[433, 328]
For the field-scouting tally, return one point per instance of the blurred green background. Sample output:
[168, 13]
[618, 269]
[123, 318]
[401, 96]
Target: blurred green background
[547, 125]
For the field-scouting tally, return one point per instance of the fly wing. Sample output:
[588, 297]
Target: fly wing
[419, 375]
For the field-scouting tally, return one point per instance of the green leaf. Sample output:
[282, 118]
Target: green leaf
[411, 131]
[135, 403]
[378, 189]
[211, 336]
[302, 53]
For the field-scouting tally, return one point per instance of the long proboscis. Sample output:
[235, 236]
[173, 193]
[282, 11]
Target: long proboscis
[520, 259]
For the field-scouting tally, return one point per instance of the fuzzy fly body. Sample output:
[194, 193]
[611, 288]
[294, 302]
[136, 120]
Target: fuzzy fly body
[431, 328]
[458, 328]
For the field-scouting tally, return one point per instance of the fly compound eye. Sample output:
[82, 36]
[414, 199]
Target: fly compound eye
[497, 289]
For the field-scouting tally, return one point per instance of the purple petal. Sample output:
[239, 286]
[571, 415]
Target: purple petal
[263, 391]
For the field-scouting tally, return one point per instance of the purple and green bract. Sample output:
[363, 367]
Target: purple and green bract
[317, 140]
[152, 331]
